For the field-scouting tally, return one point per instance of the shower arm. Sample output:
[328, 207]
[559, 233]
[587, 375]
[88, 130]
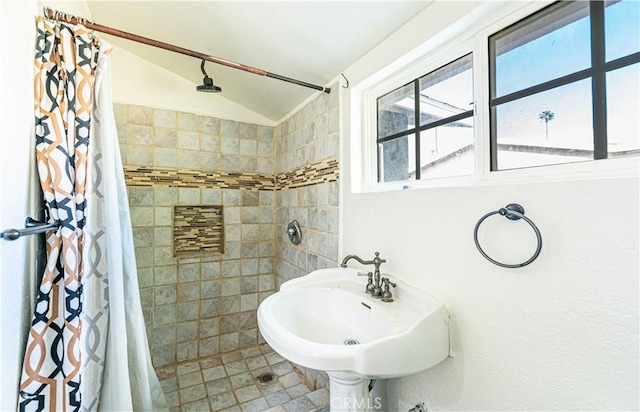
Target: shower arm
[202, 69]
[68, 18]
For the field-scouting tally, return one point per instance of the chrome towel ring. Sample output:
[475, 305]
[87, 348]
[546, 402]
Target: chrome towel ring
[512, 211]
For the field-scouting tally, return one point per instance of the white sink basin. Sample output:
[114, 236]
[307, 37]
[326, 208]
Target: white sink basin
[309, 320]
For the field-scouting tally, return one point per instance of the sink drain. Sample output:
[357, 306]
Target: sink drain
[351, 342]
[265, 378]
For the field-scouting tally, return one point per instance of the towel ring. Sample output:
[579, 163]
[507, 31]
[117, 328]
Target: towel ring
[512, 211]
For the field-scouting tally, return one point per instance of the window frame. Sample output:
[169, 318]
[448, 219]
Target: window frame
[469, 35]
[368, 108]
[418, 128]
[597, 72]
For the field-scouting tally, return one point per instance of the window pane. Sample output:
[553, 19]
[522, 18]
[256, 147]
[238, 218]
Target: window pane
[396, 111]
[447, 91]
[622, 35]
[447, 150]
[395, 158]
[546, 128]
[623, 106]
[545, 46]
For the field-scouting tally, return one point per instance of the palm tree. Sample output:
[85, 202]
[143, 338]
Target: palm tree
[547, 116]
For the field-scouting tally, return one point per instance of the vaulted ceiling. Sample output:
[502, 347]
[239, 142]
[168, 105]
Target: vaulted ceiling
[313, 41]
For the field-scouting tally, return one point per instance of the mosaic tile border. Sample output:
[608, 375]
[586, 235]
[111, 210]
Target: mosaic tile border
[326, 170]
[171, 177]
[315, 173]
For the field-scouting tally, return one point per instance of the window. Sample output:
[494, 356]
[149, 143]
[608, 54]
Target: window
[537, 85]
[432, 135]
[564, 85]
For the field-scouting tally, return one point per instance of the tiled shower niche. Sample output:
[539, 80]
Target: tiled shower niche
[197, 229]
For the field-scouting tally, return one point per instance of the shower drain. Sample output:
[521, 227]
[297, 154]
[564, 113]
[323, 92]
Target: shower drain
[351, 342]
[265, 378]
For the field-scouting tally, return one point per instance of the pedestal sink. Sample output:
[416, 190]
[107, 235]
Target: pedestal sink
[325, 321]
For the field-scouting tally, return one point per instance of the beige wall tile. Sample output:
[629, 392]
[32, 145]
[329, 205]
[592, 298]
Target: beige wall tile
[188, 196]
[165, 118]
[141, 216]
[165, 137]
[210, 125]
[189, 140]
[188, 122]
[140, 155]
[209, 142]
[229, 128]
[165, 157]
[163, 216]
[140, 115]
[139, 135]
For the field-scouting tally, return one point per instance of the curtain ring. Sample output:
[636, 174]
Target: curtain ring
[45, 12]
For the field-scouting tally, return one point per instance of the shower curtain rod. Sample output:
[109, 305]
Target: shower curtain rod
[68, 18]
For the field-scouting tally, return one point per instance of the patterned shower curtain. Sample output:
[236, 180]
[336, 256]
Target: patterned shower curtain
[87, 348]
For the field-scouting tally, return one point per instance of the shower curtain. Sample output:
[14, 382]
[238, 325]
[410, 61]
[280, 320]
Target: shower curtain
[87, 347]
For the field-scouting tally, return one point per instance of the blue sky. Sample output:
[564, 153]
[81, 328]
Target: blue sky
[561, 52]
[567, 49]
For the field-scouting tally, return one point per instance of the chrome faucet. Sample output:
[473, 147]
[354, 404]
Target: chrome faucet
[376, 290]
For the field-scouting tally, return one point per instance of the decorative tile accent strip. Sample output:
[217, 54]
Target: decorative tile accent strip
[169, 177]
[320, 172]
[197, 229]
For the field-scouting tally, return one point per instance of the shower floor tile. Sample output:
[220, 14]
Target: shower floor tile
[228, 382]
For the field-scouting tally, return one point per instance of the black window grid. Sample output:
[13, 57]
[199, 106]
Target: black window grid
[597, 72]
[417, 129]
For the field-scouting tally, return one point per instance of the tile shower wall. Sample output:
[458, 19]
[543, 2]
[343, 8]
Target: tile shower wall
[199, 306]
[308, 136]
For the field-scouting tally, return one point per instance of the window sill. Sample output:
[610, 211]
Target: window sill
[588, 170]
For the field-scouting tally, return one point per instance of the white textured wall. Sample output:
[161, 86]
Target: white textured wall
[17, 36]
[560, 334]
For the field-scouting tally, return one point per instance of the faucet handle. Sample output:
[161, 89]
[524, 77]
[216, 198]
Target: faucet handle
[386, 282]
[369, 287]
[386, 295]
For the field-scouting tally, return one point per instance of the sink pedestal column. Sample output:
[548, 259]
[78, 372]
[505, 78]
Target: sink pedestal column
[349, 392]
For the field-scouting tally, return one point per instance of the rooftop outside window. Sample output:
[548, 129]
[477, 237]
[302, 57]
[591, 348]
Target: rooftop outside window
[431, 136]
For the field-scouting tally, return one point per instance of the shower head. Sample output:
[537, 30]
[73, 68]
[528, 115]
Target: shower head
[207, 83]
[208, 86]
